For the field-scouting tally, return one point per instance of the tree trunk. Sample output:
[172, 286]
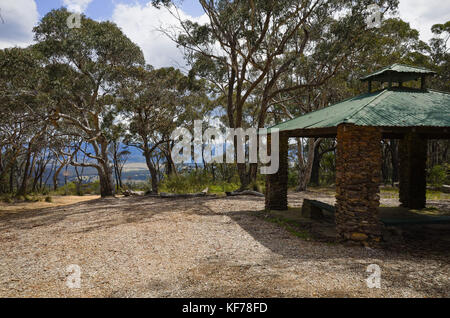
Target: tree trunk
[384, 165]
[395, 161]
[304, 175]
[23, 187]
[153, 172]
[243, 176]
[11, 178]
[154, 179]
[55, 176]
[119, 176]
[116, 177]
[315, 168]
[106, 184]
[104, 168]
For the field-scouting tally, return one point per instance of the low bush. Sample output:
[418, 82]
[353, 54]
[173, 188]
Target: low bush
[7, 198]
[437, 176]
[195, 181]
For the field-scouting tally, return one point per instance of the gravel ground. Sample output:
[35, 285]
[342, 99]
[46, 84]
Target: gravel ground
[200, 247]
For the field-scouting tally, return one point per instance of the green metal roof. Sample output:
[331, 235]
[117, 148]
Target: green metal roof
[395, 107]
[398, 72]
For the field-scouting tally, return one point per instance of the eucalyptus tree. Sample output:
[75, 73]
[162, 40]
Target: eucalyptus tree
[247, 46]
[440, 55]
[23, 120]
[118, 152]
[394, 42]
[86, 66]
[155, 103]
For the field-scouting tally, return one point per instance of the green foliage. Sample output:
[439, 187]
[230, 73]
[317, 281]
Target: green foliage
[437, 176]
[328, 169]
[222, 187]
[71, 189]
[291, 226]
[258, 185]
[7, 198]
[31, 198]
[195, 181]
[292, 177]
[48, 199]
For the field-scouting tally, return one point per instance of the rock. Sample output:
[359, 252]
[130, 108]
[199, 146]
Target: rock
[129, 193]
[309, 210]
[359, 236]
[245, 192]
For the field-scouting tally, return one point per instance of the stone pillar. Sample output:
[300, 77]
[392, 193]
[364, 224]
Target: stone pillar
[358, 166]
[276, 184]
[413, 156]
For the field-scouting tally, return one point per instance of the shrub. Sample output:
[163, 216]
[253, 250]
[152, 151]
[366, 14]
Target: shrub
[7, 199]
[195, 181]
[437, 176]
[71, 188]
[48, 199]
[190, 183]
[258, 186]
[292, 177]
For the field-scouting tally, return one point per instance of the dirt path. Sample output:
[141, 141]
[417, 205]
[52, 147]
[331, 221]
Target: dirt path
[20, 207]
[202, 247]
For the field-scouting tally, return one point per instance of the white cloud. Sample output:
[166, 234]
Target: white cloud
[18, 18]
[422, 14]
[141, 25]
[77, 5]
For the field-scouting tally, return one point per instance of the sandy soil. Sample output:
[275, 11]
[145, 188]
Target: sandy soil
[200, 247]
[56, 201]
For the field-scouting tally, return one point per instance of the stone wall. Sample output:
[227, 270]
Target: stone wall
[413, 156]
[276, 184]
[358, 175]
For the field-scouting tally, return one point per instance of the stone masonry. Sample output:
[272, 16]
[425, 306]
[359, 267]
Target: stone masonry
[358, 175]
[413, 157]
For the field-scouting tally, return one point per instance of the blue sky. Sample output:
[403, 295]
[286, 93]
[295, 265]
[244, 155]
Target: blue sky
[103, 9]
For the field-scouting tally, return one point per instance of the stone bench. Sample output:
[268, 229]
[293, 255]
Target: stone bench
[315, 209]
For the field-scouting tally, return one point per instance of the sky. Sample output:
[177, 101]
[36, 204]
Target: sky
[140, 21]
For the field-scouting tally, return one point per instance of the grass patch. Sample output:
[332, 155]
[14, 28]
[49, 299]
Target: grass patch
[291, 225]
[329, 190]
[392, 193]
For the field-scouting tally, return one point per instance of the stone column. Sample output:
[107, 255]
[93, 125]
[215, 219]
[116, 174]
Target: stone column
[276, 184]
[413, 156]
[358, 166]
